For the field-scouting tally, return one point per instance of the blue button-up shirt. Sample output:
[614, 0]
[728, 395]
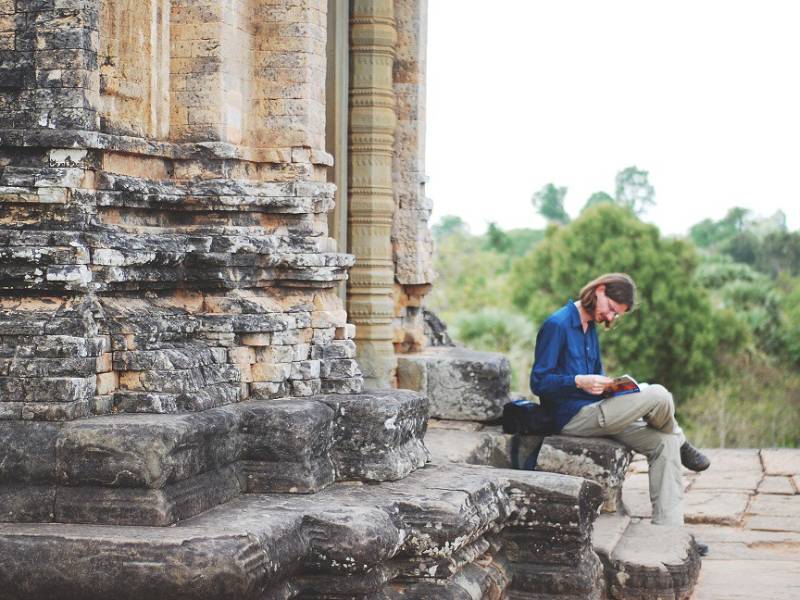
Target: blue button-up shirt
[563, 351]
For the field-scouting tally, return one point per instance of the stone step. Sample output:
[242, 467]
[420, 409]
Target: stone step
[461, 384]
[445, 531]
[598, 459]
[147, 469]
[644, 561]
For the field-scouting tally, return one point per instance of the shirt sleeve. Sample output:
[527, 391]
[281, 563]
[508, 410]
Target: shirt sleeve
[546, 380]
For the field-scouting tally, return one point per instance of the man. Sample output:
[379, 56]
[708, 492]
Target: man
[569, 379]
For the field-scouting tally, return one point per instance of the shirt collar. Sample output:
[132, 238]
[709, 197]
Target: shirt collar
[575, 316]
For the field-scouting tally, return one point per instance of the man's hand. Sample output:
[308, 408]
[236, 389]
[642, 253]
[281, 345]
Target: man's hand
[594, 384]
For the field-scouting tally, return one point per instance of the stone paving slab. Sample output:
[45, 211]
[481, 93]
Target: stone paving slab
[770, 523]
[746, 481]
[774, 505]
[772, 484]
[727, 459]
[748, 580]
[714, 534]
[758, 556]
[723, 508]
[781, 461]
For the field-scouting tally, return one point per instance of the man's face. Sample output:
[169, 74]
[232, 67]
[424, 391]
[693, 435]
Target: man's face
[607, 310]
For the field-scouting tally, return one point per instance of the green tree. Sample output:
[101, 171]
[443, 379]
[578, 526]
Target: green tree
[449, 225]
[598, 198]
[633, 190]
[522, 241]
[779, 253]
[549, 202]
[673, 337]
[497, 239]
[707, 232]
[469, 275]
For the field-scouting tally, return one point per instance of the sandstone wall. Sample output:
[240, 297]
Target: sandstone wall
[163, 208]
[411, 239]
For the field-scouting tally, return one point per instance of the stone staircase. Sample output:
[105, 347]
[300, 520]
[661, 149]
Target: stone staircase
[639, 560]
[106, 487]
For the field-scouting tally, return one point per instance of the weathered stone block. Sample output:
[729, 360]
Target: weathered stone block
[602, 460]
[378, 435]
[651, 561]
[145, 450]
[28, 452]
[460, 384]
[286, 445]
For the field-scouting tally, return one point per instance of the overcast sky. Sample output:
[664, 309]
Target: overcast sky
[703, 94]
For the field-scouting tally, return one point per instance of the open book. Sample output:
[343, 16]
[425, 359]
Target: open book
[624, 384]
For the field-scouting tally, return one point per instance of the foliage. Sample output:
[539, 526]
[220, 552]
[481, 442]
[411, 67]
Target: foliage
[598, 198]
[449, 225]
[471, 291]
[504, 331]
[497, 239]
[753, 402]
[633, 190]
[467, 274]
[549, 202]
[779, 253]
[708, 232]
[717, 270]
[674, 335]
[791, 325]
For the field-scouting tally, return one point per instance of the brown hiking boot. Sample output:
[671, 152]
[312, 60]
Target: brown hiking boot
[693, 459]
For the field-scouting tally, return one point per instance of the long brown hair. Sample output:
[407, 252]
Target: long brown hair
[619, 287]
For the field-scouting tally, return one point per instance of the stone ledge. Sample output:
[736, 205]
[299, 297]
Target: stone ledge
[158, 469]
[72, 138]
[601, 460]
[647, 561]
[428, 530]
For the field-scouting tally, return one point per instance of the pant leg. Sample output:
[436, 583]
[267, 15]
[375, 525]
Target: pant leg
[645, 422]
[666, 478]
[611, 416]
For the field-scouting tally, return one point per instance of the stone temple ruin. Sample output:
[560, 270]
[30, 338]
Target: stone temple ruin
[196, 401]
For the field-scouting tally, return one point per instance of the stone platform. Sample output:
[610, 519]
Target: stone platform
[746, 507]
[148, 469]
[445, 531]
[640, 560]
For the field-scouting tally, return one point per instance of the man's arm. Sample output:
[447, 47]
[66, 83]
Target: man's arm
[545, 377]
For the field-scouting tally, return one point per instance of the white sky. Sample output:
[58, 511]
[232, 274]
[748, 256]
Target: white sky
[703, 94]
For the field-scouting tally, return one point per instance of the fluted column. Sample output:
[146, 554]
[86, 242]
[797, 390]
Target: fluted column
[372, 128]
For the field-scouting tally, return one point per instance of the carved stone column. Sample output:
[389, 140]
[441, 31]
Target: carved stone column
[372, 128]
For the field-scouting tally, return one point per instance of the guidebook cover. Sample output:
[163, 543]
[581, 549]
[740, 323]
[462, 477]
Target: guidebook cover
[624, 384]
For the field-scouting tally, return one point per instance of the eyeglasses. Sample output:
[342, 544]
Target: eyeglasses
[615, 308]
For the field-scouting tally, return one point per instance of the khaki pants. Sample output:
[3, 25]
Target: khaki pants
[644, 421]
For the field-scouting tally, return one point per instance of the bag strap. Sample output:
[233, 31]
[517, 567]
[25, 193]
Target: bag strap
[515, 451]
[530, 462]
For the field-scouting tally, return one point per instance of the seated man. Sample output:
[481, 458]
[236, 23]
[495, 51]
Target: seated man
[569, 379]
